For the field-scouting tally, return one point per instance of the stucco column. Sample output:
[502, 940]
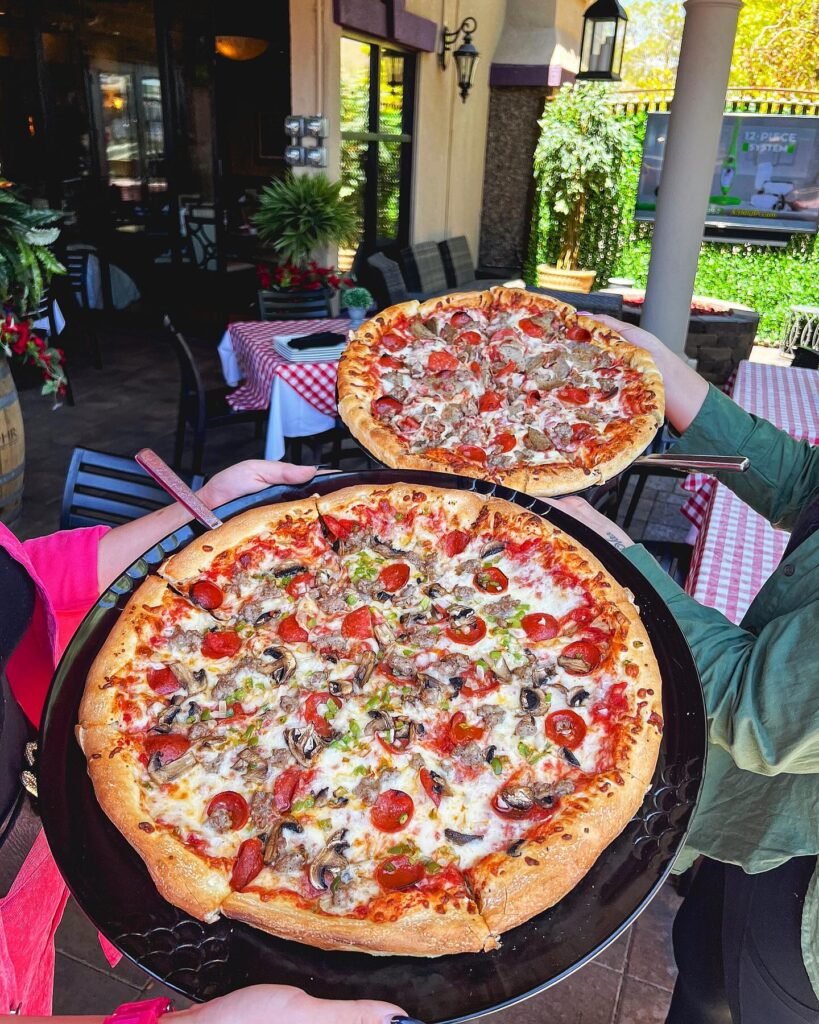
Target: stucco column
[688, 166]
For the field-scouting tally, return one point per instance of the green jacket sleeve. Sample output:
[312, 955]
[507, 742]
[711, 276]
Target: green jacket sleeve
[783, 474]
[760, 690]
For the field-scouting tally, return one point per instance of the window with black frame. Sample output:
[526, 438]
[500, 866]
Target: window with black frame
[377, 104]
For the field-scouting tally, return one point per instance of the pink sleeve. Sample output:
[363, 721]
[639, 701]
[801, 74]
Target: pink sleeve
[66, 563]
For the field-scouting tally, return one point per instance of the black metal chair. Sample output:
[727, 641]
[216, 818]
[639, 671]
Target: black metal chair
[335, 438]
[79, 320]
[202, 408]
[661, 443]
[294, 305]
[674, 557]
[109, 490]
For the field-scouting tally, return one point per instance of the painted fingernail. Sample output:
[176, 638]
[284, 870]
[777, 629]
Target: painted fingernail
[406, 1020]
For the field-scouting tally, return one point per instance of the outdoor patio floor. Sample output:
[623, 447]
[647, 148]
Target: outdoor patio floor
[131, 403]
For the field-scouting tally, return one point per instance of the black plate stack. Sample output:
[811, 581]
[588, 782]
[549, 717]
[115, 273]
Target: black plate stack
[112, 885]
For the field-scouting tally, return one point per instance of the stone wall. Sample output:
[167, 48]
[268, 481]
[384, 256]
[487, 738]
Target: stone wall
[508, 185]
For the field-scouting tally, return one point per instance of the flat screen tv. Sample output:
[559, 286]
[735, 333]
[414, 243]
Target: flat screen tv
[766, 178]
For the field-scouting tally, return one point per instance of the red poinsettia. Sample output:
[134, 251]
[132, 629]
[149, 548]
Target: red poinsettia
[292, 277]
[18, 340]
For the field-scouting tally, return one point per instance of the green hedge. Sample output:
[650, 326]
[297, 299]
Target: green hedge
[767, 279]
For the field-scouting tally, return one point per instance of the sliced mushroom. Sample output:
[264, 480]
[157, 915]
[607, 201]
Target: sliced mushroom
[546, 792]
[302, 744]
[526, 726]
[460, 614]
[570, 757]
[489, 756]
[275, 844]
[461, 838]
[537, 441]
[192, 682]
[533, 701]
[431, 688]
[576, 665]
[340, 687]
[283, 663]
[165, 718]
[521, 798]
[330, 862]
[502, 670]
[456, 682]
[162, 773]
[514, 849]
[381, 721]
[289, 570]
[542, 675]
[578, 697]
[434, 590]
[420, 330]
[366, 666]
[383, 548]
[439, 784]
[384, 635]
[494, 547]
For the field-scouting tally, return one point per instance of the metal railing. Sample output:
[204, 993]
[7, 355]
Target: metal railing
[739, 99]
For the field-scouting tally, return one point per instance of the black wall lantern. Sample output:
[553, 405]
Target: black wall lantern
[395, 70]
[604, 36]
[466, 56]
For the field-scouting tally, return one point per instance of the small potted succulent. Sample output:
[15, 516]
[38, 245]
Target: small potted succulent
[356, 301]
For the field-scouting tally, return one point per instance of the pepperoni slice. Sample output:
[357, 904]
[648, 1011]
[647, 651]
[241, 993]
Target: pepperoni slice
[390, 362]
[340, 528]
[386, 406]
[393, 342]
[398, 873]
[284, 788]
[491, 580]
[442, 362]
[299, 585]
[531, 328]
[291, 631]
[460, 319]
[469, 338]
[468, 632]
[392, 811]
[454, 542]
[235, 805]
[393, 577]
[221, 645]
[169, 746]
[358, 624]
[578, 333]
[207, 594]
[472, 453]
[477, 685]
[460, 731]
[315, 717]
[532, 399]
[580, 657]
[249, 862]
[566, 728]
[572, 395]
[505, 442]
[489, 401]
[509, 367]
[540, 626]
[163, 681]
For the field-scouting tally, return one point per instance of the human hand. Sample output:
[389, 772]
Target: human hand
[634, 335]
[249, 477]
[260, 1004]
[581, 510]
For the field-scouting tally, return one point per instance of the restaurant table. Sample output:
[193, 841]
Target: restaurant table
[301, 397]
[737, 550]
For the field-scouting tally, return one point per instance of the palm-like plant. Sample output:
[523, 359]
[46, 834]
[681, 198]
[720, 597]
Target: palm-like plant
[301, 213]
[26, 262]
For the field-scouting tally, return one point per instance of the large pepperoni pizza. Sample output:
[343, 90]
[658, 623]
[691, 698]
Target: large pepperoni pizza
[395, 719]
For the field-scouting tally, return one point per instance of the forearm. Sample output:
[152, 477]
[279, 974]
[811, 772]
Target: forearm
[50, 1020]
[685, 390]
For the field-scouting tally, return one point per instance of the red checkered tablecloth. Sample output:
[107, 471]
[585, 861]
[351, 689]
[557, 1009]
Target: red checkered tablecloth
[736, 549]
[252, 342]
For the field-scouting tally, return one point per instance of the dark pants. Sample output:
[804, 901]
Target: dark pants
[737, 947]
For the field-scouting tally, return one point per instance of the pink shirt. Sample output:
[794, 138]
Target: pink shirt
[63, 567]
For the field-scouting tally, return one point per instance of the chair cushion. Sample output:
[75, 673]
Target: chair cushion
[393, 279]
[423, 262]
[457, 258]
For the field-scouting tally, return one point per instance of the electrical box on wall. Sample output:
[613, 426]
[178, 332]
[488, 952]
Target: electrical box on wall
[300, 127]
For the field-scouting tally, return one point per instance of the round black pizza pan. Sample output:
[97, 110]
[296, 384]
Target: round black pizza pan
[200, 960]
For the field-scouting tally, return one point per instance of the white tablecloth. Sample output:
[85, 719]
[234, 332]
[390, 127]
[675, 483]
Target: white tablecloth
[290, 414]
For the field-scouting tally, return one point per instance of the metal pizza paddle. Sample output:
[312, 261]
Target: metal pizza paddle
[176, 487]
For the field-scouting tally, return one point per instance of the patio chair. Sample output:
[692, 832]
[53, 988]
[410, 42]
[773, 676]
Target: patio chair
[423, 268]
[386, 279]
[79, 320]
[202, 408]
[294, 305]
[459, 266]
[199, 224]
[105, 489]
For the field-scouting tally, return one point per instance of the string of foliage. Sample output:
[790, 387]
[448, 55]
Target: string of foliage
[769, 280]
[26, 262]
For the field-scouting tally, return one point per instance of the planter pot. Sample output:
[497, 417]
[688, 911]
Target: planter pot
[564, 280]
[357, 316]
[12, 448]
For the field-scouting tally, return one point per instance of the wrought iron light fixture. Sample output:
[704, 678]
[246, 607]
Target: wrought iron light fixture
[466, 56]
[394, 62]
[604, 36]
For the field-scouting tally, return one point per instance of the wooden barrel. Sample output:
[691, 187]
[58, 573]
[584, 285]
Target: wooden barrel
[12, 448]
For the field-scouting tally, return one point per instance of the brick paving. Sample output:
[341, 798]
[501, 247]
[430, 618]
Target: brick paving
[131, 403]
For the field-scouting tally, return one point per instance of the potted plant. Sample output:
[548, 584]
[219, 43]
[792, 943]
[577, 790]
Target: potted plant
[356, 301]
[26, 264]
[583, 148]
[297, 216]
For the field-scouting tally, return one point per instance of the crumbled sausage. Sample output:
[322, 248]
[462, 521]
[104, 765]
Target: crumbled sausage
[262, 811]
[469, 754]
[491, 714]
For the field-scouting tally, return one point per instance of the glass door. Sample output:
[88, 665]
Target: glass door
[377, 107]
